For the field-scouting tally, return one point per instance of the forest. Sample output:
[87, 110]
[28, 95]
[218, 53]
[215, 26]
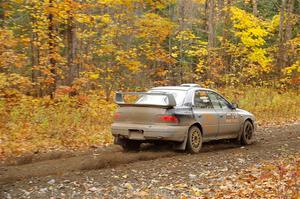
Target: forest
[61, 61]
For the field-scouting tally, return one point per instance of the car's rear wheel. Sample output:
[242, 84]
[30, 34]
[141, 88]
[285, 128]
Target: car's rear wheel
[194, 142]
[248, 133]
[131, 145]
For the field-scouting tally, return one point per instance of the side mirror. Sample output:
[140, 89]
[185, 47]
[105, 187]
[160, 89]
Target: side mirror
[234, 106]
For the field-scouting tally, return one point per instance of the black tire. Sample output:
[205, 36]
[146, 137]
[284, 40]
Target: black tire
[194, 142]
[131, 145]
[247, 133]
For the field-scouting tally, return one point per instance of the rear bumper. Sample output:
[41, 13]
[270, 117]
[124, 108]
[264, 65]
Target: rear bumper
[149, 132]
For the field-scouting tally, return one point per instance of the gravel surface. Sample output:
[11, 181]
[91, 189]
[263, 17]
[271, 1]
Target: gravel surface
[221, 170]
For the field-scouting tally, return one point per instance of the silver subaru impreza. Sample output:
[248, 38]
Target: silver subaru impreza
[187, 115]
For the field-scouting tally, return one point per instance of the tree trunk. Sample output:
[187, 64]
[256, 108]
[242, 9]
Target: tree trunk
[35, 62]
[220, 13]
[182, 20]
[211, 24]
[254, 4]
[211, 35]
[288, 34]
[51, 42]
[2, 14]
[225, 36]
[289, 12]
[280, 56]
[73, 70]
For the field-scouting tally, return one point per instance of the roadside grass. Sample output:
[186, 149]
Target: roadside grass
[30, 125]
[270, 106]
[39, 125]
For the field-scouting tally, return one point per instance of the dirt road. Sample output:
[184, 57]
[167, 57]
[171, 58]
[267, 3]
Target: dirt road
[155, 172]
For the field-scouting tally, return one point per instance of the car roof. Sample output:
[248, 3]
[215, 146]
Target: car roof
[183, 88]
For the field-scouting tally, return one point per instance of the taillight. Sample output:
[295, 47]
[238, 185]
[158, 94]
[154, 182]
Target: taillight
[169, 118]
[117, 116]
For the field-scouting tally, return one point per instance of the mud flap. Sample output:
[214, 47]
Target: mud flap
[118, 141]
[181, 146]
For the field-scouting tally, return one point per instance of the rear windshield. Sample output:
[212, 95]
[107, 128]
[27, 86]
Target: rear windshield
[179, 96]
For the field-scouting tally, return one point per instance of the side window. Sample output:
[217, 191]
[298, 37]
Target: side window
[223, 103]
[214, 100]
[201, 100]
[218, 101]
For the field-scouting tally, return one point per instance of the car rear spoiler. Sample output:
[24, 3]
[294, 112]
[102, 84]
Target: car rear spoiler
[119, 99]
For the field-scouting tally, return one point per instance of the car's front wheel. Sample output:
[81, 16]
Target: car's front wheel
[248, 133]
[194, 142]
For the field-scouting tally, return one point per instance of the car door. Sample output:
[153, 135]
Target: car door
[205, 114]
[228, 117]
